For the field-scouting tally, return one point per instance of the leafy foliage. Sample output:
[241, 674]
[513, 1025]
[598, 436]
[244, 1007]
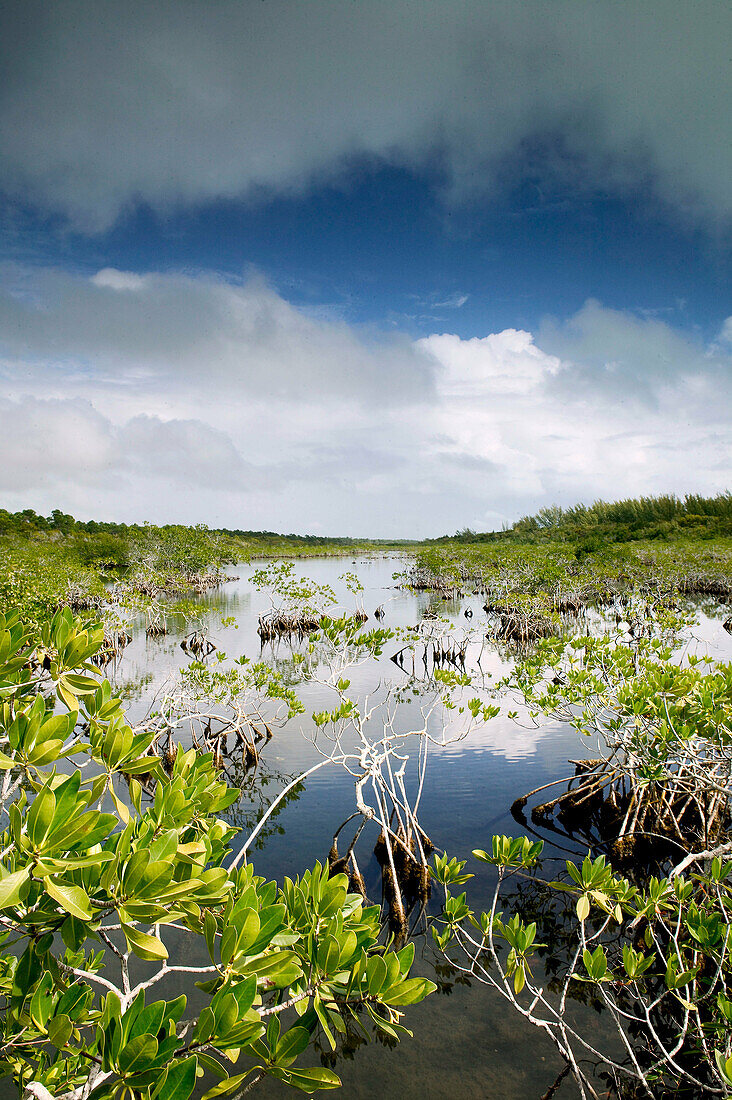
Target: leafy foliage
[97, 868]
[657, 955]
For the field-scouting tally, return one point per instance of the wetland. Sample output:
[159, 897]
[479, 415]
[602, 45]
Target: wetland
[380, 714]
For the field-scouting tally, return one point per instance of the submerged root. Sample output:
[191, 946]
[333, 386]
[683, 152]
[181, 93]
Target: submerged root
[115, 641]
[346, 865]
[404, 875]
[197, 645]
[704, 585]
[77, 599]
[278, 625]
[356, 884]
[633, 820]
[524, 626]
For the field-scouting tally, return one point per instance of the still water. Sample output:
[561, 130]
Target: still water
[467, 1042]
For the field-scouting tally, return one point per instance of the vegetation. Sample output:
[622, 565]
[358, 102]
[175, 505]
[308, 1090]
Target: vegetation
[110, 544]
[118, 843]
[653, 947]
[661, 517]
[535, 590]
[84, 893]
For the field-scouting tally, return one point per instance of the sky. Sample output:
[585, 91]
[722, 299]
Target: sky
[358, 267]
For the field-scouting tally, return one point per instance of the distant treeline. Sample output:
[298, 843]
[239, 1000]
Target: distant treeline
[661, 517]
[30, 524]
[619, 521]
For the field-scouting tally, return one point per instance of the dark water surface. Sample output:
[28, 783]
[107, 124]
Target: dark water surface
[467, 1042]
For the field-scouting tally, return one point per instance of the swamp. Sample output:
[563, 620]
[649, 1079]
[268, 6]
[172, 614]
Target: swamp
[285, 814]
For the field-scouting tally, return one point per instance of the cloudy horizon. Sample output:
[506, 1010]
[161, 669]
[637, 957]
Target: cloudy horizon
[332, 269]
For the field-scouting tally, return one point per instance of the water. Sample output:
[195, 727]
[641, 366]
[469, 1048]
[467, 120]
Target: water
[467, 1041]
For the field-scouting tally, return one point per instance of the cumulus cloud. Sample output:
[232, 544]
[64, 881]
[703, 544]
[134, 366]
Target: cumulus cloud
[503, 362]
[46, 443]
[180, 102]
[637, 359]
[146, 331]
[188, 398]
[52, 443]
[605, 404]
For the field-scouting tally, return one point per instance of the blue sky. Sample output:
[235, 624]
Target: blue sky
[337, 268]
[382, 248]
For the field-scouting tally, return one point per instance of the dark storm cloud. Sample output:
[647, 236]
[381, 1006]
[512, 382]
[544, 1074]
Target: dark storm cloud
[178, 102]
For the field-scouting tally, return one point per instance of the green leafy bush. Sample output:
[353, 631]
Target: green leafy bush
[103, 855]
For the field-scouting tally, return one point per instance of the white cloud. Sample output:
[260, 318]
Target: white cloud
[456, 301]
[179, 102]
[49, 443]
[118, 280]
[148, 331]
[504, 362]
[54, 444]
[189, 398]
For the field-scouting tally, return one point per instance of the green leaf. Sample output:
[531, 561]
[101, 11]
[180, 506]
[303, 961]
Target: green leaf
[137, 1053]
[583, 907]
[42, 1002]
[40, 816]
[313, 1080]
[323, 1015]
[231, 1085]
[209, 932]
[59, 1031]
[376, 974]
[212, 1065]
[409, 992]
[74, 933]
[10, 887]
[178, 1082]
[144, 946]
[149, 1021]
[66, 697]
[292, 1043]
[119, 806]
[71, 898]
[725, 1066]
[82, 685]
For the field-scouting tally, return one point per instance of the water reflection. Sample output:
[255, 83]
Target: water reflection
[465, 1041]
